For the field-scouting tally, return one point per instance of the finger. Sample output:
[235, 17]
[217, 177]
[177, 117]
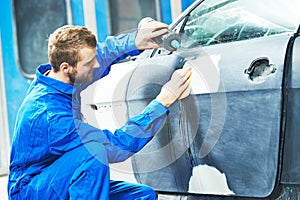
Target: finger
[152, 45]
[159, 31]
[187, 73]
[185, 78]
[187, 69]
[155, 25]
[184, 86]
[185, 90]
[183, 83]
[181, 73]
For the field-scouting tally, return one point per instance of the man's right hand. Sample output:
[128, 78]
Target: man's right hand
[175, 87]
[147, 31]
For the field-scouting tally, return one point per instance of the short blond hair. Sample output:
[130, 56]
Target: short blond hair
[65, 42]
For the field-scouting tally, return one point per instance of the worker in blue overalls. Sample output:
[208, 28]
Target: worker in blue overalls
[55, 155]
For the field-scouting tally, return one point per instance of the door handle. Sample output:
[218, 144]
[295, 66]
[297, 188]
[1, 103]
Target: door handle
[260, 69]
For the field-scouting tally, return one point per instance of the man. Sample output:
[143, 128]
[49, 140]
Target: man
[55, 155]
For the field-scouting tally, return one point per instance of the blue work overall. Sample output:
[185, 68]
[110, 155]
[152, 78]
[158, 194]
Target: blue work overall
[55, 155]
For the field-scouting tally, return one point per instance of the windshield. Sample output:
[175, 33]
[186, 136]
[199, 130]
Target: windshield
[215, 21]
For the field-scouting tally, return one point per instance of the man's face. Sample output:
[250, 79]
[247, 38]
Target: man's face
[83, 71]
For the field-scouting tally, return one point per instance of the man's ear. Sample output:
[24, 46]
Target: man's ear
[65, 68]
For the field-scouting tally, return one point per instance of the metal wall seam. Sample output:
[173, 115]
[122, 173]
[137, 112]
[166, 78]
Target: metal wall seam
[4, 133]
[166, 13]
[176, 8]
[89, 12]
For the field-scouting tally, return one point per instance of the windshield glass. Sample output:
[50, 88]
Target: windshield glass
[215, 21]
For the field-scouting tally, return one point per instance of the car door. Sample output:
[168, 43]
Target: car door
[225, 137]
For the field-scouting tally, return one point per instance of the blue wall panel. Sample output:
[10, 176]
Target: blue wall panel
[102, 16]
[15, 84]
[77, 12]
[166, 12]
[186, 3]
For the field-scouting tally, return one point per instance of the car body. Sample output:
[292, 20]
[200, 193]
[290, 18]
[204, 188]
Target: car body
[236, 134]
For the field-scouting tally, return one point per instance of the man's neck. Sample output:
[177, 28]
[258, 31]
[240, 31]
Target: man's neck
[57, 76]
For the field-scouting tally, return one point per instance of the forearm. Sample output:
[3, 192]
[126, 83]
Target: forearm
[117, 48]
[137, 132]
[109, 52]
